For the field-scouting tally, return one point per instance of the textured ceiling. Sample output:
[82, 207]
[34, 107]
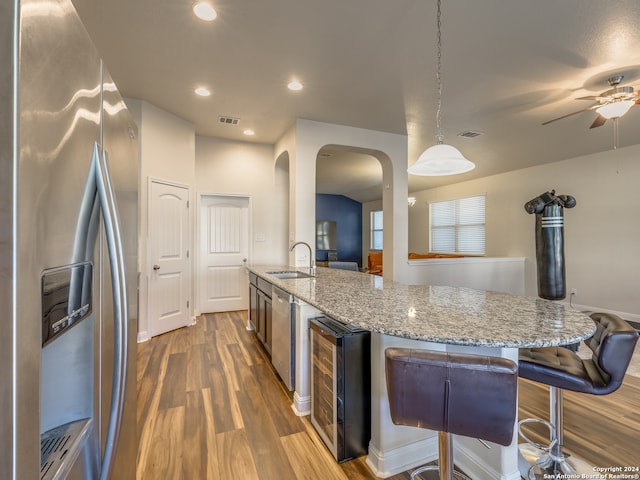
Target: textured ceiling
[508, 66]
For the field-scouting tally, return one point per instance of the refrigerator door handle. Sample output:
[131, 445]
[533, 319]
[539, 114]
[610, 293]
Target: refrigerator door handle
[116, 260]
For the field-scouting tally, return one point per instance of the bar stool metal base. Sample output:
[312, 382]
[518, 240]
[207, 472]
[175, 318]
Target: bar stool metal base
[552, 461]
[445, 468]
[456, 473]
[537, 464]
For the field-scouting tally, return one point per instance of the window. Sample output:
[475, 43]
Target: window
[376, 230]
[458, 226]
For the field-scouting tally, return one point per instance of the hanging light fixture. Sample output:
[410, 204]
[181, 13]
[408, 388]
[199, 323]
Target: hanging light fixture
[440, 159]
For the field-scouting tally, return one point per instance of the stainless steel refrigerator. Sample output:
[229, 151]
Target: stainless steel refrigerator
[68, 253]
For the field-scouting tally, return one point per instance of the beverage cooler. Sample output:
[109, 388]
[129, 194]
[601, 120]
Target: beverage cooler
[340, 386]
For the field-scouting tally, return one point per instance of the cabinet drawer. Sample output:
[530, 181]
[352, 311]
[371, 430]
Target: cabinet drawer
[264, 286]
[253, 279]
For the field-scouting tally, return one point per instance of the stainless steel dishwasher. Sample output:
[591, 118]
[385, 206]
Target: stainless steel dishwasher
[283, 335]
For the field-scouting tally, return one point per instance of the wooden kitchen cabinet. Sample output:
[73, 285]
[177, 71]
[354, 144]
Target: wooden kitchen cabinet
[266, 317]
[253, 305]
[260, 309]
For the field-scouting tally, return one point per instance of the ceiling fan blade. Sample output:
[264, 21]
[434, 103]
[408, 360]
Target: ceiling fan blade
[598, 122]
[590, 97]
[571, 114]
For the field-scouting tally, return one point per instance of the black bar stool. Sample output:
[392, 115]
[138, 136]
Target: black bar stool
[463, 394]
[612, 346]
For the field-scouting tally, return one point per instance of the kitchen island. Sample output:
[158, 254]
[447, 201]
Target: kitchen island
[425, 316]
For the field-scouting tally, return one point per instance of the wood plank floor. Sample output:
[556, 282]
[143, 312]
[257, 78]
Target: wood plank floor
[210, 406]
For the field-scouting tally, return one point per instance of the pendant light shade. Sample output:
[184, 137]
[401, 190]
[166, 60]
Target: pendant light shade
[439, 160]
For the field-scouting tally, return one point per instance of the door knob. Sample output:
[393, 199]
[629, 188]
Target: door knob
[156, 267]
[244, 260]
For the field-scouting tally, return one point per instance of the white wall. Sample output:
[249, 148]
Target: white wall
[602, 232]
[239, 168]
[170, 151]
[167, 151]
[304, 141]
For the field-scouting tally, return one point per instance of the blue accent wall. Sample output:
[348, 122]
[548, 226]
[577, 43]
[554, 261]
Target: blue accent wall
[347, 214]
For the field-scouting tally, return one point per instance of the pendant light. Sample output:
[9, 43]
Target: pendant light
[440, 159]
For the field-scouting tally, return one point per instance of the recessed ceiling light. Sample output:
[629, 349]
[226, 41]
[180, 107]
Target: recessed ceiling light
[202, 91]
[204, 11]
[295, 86]
[249, 132]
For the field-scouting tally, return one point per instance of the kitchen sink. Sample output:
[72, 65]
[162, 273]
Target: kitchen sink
[286, 274]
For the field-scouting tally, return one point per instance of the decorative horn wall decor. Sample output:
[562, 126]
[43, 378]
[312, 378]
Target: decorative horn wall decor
[549, 210]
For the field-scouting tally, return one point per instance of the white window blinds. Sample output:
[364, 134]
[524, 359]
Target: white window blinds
[458, 226]
[376, 230]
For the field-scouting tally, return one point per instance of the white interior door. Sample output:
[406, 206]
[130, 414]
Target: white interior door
[224, 249]
[169, 278]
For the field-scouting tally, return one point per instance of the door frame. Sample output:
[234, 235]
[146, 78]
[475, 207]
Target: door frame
[198, 246]
[144, 336]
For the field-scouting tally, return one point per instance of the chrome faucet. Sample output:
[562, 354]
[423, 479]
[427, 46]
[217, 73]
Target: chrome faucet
[312, 263]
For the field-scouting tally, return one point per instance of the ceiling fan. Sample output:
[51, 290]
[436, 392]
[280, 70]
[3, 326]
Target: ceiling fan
[612, 103]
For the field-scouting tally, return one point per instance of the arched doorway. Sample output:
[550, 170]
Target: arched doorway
[348, 188]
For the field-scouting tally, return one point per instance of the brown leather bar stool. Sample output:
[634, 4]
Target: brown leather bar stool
[453, 393]
[612, 346]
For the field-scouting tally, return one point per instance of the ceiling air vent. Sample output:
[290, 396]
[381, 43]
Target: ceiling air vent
[470, 134]
[228, 120]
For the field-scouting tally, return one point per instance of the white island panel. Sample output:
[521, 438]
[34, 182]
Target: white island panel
[499, 274]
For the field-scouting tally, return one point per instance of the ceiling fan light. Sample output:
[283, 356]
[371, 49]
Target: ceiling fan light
[615, 109]
[439, 160]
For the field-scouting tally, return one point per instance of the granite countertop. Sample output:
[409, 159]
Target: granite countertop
[451, 315]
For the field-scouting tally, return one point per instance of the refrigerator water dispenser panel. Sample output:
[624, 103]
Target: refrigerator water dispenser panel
[66, 299]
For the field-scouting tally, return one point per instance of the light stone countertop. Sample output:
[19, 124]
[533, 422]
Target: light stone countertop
[451, 315]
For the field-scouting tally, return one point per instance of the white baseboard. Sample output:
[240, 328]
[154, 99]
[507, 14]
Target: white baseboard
[475, 467]
[392, 462]
[633, 317]
[301, 406]
[143, 337]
